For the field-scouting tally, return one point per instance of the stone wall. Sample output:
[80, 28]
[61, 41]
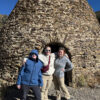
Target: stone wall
[3, 19]
[33, 24]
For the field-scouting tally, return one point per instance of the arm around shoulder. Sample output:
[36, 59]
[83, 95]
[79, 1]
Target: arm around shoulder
[42, 57]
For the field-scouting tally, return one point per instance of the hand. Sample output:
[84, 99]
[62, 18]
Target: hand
[24, 61]
[63, 69]
[40, 88]
[18, 86]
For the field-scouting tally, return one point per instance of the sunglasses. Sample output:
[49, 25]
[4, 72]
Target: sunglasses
[47, 50]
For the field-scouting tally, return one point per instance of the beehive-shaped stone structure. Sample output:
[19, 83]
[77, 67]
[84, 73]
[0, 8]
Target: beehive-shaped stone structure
[35, 23]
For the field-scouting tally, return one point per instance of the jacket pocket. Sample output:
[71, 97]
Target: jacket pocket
[26, 77]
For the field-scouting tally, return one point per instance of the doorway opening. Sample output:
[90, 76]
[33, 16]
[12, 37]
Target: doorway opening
[54, 48]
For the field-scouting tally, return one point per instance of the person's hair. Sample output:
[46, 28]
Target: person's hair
[62, 48]
[45, 48]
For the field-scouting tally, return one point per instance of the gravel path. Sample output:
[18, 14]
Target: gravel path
[81, 93]
[78, 94]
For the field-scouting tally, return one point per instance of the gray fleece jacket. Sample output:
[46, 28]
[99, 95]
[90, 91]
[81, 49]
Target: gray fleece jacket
[61, 63]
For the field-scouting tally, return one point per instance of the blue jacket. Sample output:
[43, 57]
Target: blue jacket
[30, 73]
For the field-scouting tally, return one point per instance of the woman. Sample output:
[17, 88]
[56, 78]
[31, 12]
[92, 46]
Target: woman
[60, 64]
[45, 57]
[30, 76]
[48, 75]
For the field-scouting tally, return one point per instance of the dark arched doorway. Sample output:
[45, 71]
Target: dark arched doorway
[55, 46]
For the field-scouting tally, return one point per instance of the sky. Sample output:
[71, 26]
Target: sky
[6, 6]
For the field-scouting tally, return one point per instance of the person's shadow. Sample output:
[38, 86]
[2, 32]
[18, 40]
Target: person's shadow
[52, 97]
[12, 93]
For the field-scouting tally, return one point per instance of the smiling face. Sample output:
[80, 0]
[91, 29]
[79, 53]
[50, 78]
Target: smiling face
[61, 53]
[48, 51]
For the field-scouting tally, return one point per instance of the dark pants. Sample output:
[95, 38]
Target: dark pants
[36, 90]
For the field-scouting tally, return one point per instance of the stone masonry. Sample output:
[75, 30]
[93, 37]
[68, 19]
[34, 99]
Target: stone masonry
[35, 23]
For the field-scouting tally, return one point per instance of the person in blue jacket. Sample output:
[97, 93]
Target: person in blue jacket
[30, 76]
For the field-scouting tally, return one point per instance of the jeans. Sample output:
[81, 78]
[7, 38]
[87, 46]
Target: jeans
[35, 89]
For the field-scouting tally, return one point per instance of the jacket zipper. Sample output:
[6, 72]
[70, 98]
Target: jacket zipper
[32, 73]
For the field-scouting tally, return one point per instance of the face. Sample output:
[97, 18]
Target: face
[48, 51]
[61, 53]
[34, 56]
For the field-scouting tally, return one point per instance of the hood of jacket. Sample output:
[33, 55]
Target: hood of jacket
[33, 52]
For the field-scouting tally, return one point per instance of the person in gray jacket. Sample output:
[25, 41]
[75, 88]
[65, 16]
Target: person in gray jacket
[60, 64]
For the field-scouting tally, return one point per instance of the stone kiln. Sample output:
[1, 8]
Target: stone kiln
[33, 24]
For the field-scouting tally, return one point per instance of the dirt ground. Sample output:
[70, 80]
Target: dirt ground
[81, 93]
[76, 94]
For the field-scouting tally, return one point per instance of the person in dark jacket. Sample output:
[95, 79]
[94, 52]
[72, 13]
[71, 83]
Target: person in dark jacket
[30, 76]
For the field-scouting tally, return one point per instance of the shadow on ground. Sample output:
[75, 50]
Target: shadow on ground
[12, 93]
